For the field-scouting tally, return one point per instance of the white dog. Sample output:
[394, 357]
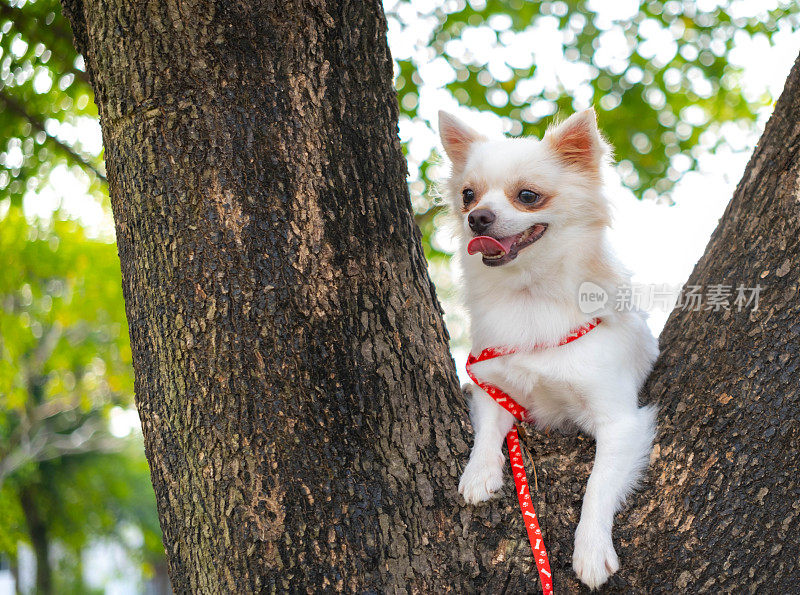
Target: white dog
[540, 215]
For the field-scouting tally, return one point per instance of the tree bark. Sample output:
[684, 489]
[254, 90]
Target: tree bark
[723, 511]
[300, 408]
[299, 405]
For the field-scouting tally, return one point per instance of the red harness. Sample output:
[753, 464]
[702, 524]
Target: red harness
[514, 453]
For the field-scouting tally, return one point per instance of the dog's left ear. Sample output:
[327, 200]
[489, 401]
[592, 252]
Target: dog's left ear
[457, 138]
[578, 142]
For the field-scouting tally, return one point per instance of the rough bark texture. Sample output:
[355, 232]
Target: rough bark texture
[299, 405]
[300, 409]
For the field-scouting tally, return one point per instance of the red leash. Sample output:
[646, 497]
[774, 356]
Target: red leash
[515, 455]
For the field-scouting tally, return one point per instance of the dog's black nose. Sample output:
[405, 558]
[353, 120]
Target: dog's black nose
[480, 220]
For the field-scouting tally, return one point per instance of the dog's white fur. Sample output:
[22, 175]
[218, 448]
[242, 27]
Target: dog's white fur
[591, 383]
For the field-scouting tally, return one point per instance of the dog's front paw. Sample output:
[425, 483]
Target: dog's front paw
[594, 559]
[482, 477]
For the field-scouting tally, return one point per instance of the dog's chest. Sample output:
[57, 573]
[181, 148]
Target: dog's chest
[528, 379]
[514, 319]
[538, 378]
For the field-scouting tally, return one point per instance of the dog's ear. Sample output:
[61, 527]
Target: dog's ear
[577, 141]
[457, 138]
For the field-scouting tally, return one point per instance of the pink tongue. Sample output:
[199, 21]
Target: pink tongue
[490, 246]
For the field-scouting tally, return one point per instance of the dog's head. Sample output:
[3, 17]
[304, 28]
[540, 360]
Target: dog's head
[524, 199]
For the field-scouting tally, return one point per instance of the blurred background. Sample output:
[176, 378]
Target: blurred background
[682, 89]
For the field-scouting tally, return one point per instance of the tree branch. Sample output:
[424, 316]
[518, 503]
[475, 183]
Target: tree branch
[14, 106]
[43, 444]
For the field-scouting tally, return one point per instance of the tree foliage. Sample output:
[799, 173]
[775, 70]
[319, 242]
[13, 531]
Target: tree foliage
[658, 72]
[44, 95]
[64, 350]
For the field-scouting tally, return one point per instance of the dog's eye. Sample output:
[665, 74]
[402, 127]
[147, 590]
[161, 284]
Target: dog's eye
[529, 197]
[468, 195]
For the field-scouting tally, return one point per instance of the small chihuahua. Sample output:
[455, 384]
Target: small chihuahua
[536, 213]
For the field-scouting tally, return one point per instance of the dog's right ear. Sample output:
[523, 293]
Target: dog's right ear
[457, 138]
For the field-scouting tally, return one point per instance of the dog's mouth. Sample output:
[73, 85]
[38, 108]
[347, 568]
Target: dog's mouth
[499, 251]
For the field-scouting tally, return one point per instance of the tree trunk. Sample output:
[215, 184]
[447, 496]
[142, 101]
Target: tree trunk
[299, 405]
[15, 576]
[37, 531]
[723, 512]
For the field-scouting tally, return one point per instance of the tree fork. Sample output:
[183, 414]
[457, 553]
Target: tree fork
[300, 408]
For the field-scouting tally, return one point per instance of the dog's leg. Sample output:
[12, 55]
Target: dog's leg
[483, 475]
[623, 449]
